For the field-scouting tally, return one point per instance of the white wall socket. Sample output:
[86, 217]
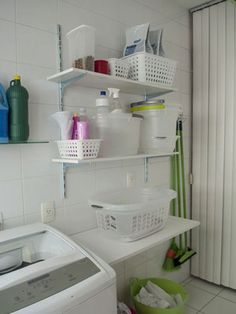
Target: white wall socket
[47, 212]
[130, 179]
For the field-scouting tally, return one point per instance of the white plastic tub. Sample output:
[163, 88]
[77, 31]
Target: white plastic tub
[81, 45]
[119, 134]
[158, 144]
[158, 129]
[133, 213]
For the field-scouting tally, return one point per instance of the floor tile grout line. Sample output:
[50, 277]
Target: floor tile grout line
[208, 303]
[205, 290]
[226, 299]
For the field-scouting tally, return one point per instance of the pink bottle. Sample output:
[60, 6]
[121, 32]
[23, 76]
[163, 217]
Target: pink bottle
[75, 135]
[83, 130]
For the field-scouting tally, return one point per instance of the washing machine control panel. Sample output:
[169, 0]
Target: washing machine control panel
[39, 288]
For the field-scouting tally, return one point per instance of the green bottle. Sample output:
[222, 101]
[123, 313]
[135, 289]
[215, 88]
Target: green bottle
[17, 97]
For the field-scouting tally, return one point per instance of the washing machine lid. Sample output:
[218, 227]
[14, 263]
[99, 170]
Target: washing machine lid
[30, 251]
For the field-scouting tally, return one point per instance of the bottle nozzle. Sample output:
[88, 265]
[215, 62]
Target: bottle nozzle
[114, 92]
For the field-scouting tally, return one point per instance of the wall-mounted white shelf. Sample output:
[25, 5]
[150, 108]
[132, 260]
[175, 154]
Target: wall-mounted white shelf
[67, 163]
[112, 250]
[95, 160]
[26, 142]
[101, 81]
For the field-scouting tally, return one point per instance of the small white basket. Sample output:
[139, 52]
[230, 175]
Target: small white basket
[133, 216]
[119, 67]
[146, 67]
[79, 149]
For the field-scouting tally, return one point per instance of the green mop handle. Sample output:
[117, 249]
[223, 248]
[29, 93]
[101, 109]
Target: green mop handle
[178, 180]
[183, 177]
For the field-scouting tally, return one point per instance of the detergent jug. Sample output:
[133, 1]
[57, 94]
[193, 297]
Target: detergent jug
[17, 97]
[3, 116]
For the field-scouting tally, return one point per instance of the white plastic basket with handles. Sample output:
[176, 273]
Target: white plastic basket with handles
[119, 67]
[79, 149]
[133, 213]
[146, 67]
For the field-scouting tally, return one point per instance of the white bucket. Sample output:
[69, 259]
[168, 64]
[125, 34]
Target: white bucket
[81, 43]
[120, 135]
[158, 130]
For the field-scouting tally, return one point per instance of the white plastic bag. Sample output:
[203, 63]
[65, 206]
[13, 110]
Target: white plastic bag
[123, 309]
[137, 40]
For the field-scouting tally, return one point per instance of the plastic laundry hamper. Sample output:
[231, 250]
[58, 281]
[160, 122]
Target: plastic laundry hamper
[133, 213]
[171, 287]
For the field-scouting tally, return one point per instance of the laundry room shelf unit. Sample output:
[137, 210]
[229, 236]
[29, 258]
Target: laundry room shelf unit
[112, 250]
[89, 79]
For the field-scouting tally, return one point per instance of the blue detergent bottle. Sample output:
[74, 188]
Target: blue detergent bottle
[4, 109]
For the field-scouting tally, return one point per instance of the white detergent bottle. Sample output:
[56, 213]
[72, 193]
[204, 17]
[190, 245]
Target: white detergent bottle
[102, 104]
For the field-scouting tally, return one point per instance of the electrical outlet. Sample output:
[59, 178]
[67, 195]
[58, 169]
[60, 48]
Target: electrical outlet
[47, 212]
[130, 179]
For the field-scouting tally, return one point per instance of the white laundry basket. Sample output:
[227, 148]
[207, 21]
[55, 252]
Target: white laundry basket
[146, 67]
[133, 213]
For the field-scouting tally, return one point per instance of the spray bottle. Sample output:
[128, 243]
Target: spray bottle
[114, 93]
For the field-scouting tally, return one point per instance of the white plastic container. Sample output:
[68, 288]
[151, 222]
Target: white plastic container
[133, 213]
[120, 134]
[146, 67]
[81, 45]
[158, 145]
[158, 129]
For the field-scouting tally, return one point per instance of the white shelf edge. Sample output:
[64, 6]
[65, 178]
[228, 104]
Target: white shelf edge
[112, 250]
[86, 161]
[95, 80]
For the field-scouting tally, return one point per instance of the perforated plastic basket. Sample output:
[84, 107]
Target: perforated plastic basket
[146, 67]
[79, 149]
[133, 213]
[119, 67]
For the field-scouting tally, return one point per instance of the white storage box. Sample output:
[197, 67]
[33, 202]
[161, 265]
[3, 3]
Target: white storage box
[146, 67]
[133, 213]
[79, 149]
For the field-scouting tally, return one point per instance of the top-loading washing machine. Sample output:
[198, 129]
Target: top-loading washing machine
[43, 271]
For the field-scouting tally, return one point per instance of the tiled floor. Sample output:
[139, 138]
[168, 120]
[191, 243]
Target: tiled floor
[207, 298]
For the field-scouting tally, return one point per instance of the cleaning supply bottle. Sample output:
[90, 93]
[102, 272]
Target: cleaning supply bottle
[75, 135]
[102, 104]
[114, 93]
[3, 116]
[17, 97]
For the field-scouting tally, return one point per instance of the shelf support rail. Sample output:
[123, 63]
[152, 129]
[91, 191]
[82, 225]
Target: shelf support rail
[146, 159]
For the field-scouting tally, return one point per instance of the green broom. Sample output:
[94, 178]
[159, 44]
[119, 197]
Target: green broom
[185, 253]
[172, 252]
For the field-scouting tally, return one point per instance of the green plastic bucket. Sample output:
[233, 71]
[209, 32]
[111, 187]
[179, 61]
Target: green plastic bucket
[169, 286]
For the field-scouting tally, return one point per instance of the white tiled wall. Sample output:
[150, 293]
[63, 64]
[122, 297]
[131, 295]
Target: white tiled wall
[28, 46]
